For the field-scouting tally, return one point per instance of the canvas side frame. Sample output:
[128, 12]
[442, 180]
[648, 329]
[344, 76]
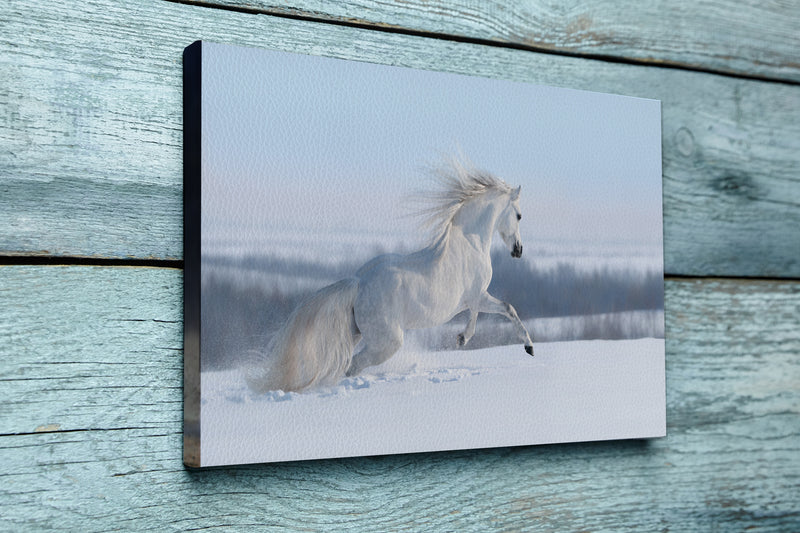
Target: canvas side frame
[192, 131]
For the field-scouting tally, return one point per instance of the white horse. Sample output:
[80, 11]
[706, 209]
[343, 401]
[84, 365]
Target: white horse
[393, 293]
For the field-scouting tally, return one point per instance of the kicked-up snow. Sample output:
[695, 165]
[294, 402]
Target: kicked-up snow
[427, 401]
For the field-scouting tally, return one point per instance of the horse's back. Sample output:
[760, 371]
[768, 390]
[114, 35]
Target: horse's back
[377, 263]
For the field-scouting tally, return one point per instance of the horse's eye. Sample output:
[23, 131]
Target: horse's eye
[519, 217]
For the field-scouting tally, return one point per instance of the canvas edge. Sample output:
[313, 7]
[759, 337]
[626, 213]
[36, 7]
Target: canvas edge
[192, 109]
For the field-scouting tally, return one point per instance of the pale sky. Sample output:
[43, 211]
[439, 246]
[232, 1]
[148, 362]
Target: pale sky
[318, 144]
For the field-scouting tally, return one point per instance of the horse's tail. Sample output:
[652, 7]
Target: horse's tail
[315, 345]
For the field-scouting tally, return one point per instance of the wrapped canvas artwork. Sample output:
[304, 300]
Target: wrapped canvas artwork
[384, 260]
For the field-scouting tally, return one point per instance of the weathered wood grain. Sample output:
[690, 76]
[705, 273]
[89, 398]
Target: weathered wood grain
[742, 38]
[90, 430]
[91, 132]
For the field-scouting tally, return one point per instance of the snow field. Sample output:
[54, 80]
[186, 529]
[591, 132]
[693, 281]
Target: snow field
[428, 401]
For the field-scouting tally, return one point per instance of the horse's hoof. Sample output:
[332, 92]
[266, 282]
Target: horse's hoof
[461, 340]
[529, 349]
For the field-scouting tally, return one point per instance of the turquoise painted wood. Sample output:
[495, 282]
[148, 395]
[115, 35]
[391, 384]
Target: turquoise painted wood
[91, 358]
[92, 145]
[748, 38]
[90, 430]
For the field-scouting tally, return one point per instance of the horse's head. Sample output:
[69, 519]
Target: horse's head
[508, 224]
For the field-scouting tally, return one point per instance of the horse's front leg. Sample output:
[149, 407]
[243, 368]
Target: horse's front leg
[463, 338]
[490, 304]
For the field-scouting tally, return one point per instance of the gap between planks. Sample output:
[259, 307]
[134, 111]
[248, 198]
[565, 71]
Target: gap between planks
[55, 260]
[310, 16]
[63, 261]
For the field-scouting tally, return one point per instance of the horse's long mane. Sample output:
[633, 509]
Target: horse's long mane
[457, 183]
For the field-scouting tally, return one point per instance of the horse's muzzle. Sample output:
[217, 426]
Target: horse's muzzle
[517, 251]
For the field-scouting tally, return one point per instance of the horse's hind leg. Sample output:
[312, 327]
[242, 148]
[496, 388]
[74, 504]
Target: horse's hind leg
[377, 349]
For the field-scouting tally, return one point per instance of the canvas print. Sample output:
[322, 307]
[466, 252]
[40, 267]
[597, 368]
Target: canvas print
[387, 260]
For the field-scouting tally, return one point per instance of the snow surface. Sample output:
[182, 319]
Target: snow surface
[428, 401]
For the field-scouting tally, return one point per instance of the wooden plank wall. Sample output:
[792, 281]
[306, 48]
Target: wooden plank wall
[91, 280]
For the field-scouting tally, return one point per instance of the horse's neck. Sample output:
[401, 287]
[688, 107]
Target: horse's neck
[475, 223]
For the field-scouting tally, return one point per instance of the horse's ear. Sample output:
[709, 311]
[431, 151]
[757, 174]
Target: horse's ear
[515, 194]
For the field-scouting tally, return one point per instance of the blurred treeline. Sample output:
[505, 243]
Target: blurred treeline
[246, 300]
